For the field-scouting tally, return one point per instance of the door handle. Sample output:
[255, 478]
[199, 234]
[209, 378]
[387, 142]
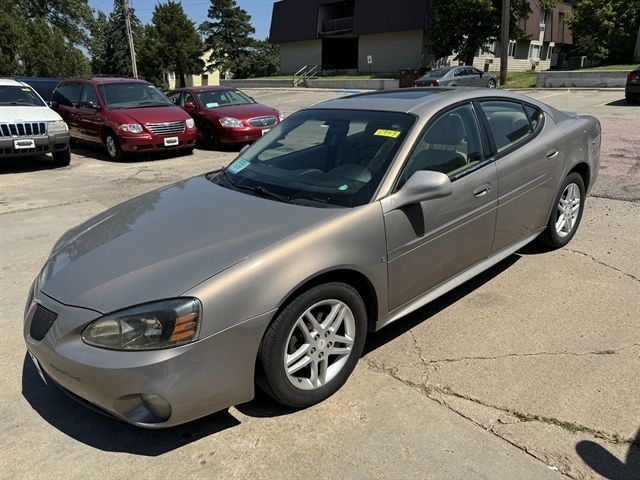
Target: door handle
[552, 152]
[482, 190]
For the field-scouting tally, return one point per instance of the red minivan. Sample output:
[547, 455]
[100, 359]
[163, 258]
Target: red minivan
[124, 114]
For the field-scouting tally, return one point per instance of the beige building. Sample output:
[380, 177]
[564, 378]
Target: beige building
[207, 78]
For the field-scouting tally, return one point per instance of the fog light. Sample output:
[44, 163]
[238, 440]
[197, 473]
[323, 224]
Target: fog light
[156, 405]
[135, 147]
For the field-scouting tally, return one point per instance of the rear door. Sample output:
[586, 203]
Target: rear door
[432, 241]
[530, 154]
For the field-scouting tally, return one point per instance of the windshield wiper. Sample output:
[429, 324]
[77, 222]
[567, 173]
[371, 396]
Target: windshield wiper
[263, 192]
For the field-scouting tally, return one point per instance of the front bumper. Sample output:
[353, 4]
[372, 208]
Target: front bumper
[51, 142]
[139, 142]
[196, 379]
[242, 135]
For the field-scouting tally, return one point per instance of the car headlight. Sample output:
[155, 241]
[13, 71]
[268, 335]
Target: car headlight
[131, 127]
[190, 123]
[163, 324]
[228, 122]
[280, 115]
[57, 126]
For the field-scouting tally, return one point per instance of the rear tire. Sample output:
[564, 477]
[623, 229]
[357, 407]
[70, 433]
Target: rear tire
[113, 147]
[491, 83]
[313, 345]
[210, 137]
[62, 158]
[567, 212]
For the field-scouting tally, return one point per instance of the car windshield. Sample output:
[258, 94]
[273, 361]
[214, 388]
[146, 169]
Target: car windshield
[321, 157]
[14, 95]
[441, 72]
[223, 98]
[131, 95]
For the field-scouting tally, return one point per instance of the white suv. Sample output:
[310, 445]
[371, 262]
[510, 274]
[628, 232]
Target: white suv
[28, 126]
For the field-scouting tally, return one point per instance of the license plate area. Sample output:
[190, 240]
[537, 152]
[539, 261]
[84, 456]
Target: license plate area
[37, 364]
[171, 141]
[24, 143]
[265, 131]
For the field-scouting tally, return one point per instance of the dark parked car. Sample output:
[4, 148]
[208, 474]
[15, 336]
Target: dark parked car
[344, 218]
[125, 115]
[632, 88]
[464, 76]
[225, 115]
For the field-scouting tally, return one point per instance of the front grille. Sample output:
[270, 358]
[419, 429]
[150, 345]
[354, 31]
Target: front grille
[166, 128]
[23, 129]
[43, 320]
[262, 121]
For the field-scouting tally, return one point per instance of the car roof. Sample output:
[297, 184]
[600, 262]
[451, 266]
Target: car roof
[11, 82]
[105, 80]
[416, 100]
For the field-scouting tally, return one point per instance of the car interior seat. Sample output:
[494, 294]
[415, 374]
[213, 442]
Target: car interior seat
[508, 128]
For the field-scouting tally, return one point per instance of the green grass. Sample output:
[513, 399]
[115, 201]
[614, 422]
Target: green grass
[519, 79]
[628, 67]
[329, 77]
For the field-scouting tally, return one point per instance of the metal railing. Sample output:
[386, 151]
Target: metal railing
[308, 71]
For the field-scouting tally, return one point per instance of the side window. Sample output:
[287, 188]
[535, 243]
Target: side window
[535, 117]
[72, 94]
[508, 121]
[459, 72]
[188, 98]
[174, 97]
[450, 145]
[89, 99]
[59, 95]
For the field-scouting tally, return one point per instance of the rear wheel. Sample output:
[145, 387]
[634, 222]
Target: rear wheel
[113, 147]
[567, 212]
[63, 157]
[491, 83]
[210, 136]
[313, 345]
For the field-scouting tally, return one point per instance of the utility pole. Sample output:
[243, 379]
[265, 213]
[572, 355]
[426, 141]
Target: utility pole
[504, 54]
[134, 67]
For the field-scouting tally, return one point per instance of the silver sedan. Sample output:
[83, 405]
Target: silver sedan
[462, 76]
[345, 217]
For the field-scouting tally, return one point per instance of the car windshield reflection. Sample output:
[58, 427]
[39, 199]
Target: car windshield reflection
[131, 95]
[324, 157]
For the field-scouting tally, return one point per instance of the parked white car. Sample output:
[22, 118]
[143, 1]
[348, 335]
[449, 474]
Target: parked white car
[28, 126]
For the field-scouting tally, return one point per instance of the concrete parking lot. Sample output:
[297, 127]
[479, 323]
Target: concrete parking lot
[529, 371]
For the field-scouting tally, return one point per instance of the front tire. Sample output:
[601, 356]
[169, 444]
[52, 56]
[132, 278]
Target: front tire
[567, 212]
[210, 137]
[113, 147]
[313, 345]
[491, 83]
[63, 157]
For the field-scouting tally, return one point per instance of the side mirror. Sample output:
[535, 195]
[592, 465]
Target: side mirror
[91, 105]
[189, 105]
[54, 105]
[421, 186]
[254, 100]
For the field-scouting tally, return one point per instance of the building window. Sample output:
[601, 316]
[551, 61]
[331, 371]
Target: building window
[534, 51]
[489, 50]
[561, 28]
[512, 48]
[544, 16]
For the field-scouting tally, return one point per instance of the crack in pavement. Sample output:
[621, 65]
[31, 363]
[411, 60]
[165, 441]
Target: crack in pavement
[597, 352]
[632, 277]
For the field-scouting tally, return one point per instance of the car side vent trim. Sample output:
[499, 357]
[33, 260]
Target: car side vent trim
[42, 321]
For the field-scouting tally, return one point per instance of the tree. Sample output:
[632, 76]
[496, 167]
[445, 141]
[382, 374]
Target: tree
[605, 29]
[109, 48]
[150, 63]
[466, 26]
[228, 35]
[178, 46]
[72, 17]
[13, 36]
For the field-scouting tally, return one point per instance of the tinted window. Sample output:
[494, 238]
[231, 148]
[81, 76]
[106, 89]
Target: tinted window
[174, 97]
[131, 95]
[509, 122]
[535, 117]
[68, 94]
[324, 157]
[450, 145]
[437, 73]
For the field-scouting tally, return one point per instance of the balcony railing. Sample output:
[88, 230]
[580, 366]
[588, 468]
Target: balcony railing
[337, 25]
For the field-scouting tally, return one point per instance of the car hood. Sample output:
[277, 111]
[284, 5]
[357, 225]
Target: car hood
[144, 115]
[242, 112]
[27, 114]
[163, 243]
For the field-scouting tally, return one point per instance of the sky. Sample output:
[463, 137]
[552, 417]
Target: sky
[196, 10]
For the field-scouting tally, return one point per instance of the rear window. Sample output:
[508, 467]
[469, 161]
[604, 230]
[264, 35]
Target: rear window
[437, 73]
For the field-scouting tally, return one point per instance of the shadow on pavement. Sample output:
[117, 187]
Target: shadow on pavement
[391, 332]
[605, 464]
[108, 434]
[622, 103]
[28, 164]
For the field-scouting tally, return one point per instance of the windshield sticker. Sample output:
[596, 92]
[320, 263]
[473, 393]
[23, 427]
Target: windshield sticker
[387, 133]
[26, 89]
[151, 86]
[238, 165]
[212, 104]
[343, 187]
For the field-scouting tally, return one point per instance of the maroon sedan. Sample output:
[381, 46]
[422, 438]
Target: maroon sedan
[225, 115]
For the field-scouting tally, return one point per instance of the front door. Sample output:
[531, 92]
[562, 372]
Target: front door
[432, 241]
